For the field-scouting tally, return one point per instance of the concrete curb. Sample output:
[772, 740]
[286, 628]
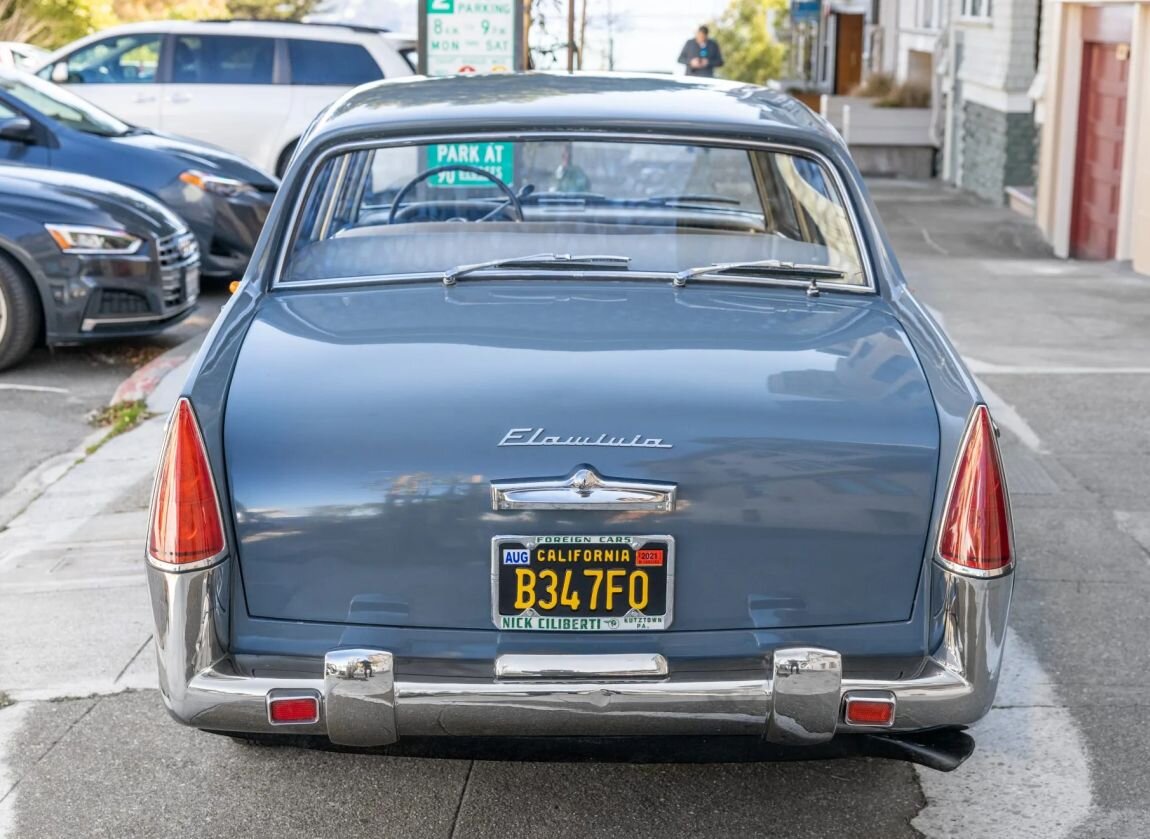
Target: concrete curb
[140, 385]
[33, 484]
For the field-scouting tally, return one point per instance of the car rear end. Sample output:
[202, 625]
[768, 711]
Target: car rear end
[594, 505]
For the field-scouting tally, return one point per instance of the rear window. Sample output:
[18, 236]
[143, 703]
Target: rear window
[223, 59]
[328, 63]
[668, 206]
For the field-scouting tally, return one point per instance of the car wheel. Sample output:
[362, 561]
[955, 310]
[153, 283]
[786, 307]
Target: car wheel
[285, 158]
[20, 314]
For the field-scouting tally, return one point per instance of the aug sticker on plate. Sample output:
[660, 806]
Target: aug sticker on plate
[516, 556]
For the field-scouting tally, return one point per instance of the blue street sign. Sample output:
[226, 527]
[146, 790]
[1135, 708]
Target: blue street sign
[802, 10]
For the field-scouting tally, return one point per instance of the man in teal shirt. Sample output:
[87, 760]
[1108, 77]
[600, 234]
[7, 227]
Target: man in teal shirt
[568, 176]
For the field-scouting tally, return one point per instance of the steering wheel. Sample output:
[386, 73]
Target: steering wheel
[512, 198]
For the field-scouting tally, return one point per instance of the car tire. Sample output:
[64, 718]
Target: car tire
[20, 314]
[285, 157]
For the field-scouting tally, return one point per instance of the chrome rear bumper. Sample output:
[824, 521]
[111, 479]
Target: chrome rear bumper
[797, 699]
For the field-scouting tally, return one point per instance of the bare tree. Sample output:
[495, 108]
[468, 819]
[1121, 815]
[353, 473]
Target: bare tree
[547, 48]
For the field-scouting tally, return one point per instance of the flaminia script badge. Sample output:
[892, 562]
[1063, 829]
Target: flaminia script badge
[539, 437]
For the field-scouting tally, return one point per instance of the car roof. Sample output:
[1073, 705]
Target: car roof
[262, 28]
[575, 101]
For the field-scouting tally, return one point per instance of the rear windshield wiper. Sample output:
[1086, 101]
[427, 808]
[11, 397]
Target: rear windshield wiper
[549, 260]
[773, 267]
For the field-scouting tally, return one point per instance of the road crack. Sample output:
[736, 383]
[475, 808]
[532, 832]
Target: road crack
[462, 797]
[135, 655]
[49, 750]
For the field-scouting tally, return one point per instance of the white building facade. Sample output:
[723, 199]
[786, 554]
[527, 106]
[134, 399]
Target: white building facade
[979, 58]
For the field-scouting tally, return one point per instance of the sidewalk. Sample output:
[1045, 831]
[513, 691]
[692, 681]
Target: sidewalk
[1062, 353]
[75, 555]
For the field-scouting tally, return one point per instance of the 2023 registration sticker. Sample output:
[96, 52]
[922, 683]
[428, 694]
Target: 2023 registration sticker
[582, 583]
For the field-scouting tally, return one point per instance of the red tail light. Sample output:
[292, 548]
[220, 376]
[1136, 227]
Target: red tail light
[293, 709]
[975, 536]
[186, 523]
[869, 710]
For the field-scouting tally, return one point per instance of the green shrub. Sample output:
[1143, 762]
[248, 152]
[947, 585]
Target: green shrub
[876, 84]
[906, 95]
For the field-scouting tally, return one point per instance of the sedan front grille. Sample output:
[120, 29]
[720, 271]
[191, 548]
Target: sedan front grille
[114, 302]
[172, 288]
[176, 252]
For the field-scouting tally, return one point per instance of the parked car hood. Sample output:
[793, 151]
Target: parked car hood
[46, 195]
[364, 426]
[199, 156]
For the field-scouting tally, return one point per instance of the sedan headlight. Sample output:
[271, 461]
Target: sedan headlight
[82, 239]
[215, 184]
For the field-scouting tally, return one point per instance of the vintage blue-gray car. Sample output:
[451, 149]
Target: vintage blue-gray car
[567, 408]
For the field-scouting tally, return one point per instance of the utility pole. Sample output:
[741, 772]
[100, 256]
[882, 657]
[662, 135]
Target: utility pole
[570, 36]
[582, 34]
[610, 36]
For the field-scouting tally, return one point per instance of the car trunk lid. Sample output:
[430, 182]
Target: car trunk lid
[363, 431]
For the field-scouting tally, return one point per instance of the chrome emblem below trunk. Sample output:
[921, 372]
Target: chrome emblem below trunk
[537, 437]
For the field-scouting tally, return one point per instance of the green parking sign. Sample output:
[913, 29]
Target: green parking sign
[458, 37]
[496, 158]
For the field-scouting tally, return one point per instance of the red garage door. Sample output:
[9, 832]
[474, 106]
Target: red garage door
[1098, 171]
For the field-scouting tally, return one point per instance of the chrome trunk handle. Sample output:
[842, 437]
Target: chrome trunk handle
[583, 489]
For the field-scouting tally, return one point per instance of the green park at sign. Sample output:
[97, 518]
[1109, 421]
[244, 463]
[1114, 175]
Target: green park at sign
[496, 158]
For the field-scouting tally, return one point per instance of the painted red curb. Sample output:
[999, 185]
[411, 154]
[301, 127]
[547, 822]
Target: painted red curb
[140, 384]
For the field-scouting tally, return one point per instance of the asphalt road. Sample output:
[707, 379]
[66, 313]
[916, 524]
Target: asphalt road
[1063, 351]
[46, 401]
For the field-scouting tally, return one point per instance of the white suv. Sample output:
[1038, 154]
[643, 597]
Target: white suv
[251, 87]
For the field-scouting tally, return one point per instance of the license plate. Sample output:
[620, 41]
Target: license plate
[582, 583]
[191, 283]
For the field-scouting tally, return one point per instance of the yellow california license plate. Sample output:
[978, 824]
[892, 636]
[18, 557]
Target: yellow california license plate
[582, 583]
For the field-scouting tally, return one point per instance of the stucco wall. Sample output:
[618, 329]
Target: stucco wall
[1061, 61]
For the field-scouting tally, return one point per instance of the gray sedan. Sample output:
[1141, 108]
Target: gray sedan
[83, 259]
[580, 406]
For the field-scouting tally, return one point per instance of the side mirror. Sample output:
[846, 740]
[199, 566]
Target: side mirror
[17, 129]
[60, 72]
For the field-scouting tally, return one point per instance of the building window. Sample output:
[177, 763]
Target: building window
[976, 8]
[930, 15]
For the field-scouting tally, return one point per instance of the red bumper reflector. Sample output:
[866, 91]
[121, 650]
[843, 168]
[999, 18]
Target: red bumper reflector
[868, 711]
[296, 709]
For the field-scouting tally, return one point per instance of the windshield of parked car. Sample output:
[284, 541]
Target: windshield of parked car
[62, 106]
[668, 207]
